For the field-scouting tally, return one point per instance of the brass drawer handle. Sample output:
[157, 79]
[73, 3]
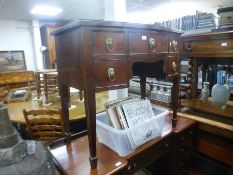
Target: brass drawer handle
[189, 47]
[173, 44]
[174, 66]
[109, 44]
[111, 74]
[152, 44]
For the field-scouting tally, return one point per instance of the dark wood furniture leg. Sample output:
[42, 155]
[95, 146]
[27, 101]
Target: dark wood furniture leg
[90, 109]
[175, 98]
[38, 85]
[46, 88]
[64, 93]
[143, 86]
[195, 77]
[81, 95]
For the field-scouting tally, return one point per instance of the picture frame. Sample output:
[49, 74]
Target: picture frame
[12, 61]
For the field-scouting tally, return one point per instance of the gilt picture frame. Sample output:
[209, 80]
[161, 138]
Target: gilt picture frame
[12, 61]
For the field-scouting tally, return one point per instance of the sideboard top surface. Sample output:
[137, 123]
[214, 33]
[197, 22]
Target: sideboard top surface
[207, 35]
[102, 23]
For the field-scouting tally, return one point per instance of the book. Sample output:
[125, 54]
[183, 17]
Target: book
[224, 10]
[139, 116]
[121, 114]
[110, 108]
[137, 112]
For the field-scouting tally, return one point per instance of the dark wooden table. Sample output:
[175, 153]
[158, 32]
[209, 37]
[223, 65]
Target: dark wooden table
[73, 158]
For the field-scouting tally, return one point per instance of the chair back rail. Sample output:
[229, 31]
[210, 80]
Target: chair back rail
[44, 124]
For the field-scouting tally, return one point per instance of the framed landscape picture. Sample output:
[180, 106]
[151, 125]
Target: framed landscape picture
[12, 61]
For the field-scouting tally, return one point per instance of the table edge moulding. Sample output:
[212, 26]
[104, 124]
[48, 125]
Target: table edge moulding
[94, 56]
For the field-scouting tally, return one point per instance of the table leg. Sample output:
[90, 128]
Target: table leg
[64, 94]
[143, 85]
[90, 108]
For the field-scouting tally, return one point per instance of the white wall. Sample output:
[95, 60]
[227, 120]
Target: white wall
[17, 35]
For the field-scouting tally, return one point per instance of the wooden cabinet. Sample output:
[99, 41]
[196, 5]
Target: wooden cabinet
[204, 50]
[183, 149]
[47, 40]
[137, 162]
[216, 44]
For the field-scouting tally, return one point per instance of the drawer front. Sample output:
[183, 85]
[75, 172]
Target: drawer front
[107, 43]
[150, 154]
[185, 143]
[141, 43]
[208, 45]
[173, 65]
[111, 72]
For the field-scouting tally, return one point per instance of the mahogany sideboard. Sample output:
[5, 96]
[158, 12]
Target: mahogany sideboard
[215, 121]
[95, 56]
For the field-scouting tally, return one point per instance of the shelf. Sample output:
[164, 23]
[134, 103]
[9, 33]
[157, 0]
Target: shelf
[209, 107]
[160, 103]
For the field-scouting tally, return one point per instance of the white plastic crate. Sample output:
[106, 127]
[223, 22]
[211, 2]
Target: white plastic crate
[120, 140]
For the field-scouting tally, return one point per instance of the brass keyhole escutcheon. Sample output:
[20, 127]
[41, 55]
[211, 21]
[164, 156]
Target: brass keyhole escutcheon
[109, 44]
[111, 74]
[152, 44]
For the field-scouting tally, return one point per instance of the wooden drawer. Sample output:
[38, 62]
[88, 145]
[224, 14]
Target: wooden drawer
[214, 45]
[139, 43]
[111, 72]
[152, 153]
[108, 42]
[184, 143]
[173, 65]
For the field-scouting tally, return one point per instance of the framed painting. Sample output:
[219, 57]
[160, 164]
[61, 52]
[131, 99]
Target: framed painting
[12, 61]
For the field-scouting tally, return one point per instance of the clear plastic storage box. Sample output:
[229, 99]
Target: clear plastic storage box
[121, 140]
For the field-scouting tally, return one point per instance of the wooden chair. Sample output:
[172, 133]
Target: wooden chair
[3, 94]
[44, 124]
[39, 77]
[50, 84]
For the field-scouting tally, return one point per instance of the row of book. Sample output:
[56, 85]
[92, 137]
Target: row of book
[226, 17]
[185, 23]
